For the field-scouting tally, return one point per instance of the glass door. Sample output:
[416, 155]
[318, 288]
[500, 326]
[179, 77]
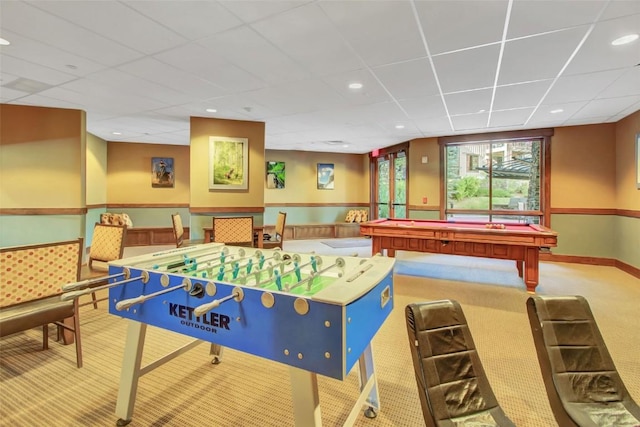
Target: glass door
[391, 185]
[383, 193]
[399, 203]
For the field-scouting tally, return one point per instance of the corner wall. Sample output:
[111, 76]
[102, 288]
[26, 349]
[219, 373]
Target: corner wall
[42, 154]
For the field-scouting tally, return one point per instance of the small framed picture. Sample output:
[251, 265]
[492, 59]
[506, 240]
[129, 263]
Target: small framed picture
[275, 175]
[325, 176]
[162, 172]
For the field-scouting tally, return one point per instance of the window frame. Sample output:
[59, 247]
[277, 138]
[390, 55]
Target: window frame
[544, 135]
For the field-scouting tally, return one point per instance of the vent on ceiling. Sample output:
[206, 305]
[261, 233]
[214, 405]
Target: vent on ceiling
[27, 85]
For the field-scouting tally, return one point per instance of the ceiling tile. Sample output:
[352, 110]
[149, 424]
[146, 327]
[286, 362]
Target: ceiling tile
[194, 21]
[534, 17]
[265, 60]
[470, 122]
[307, 36]
[371, 92]
[597, 53]
[36, 24]
[533, 58]
[410, 79]
[365, 26]
[627, 84]
[452, 25]
[468, 69]
[520, 95]
[254, 10]
[583, 87]
[510, 118]
[29, 70]
[117, 22]
[157, 71]
[468, 102]
[606, 107]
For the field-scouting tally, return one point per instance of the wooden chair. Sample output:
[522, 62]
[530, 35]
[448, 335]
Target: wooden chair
[277, 240]
[107, 245]
[178, 231]
[582, 383]
[32, 278]
[236, 231]
[452, 385]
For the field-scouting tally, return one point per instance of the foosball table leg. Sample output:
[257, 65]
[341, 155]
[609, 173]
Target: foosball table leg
[368, 380]
[306, 399]
[216, 352]
[130, 374]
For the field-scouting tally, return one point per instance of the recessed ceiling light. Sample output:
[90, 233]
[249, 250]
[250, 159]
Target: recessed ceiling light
[355, 85]
[556, 111]
[211, 110]
[117, 133]
[481, 110]
[4, 42]
[625, 39]
[345, 146]
[399, 126]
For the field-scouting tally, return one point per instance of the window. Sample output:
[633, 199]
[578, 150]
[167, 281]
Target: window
[501, 177]
[472, 162]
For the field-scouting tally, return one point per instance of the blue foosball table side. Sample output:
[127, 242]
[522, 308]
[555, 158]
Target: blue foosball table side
[324, 332]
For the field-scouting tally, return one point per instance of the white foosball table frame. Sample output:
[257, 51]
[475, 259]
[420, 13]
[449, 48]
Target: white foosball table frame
[321, 332]
[304, 384]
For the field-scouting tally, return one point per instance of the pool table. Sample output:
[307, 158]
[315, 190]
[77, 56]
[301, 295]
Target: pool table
[519, 242]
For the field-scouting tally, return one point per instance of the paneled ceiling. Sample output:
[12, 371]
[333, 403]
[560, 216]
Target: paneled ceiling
[427, 68]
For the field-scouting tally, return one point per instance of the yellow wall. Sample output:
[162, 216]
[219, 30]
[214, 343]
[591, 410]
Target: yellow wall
[627, 193]
[96, 170]
[200, 195]
[424, 178]
[351, 178]
[583, 166]
[41, 163]
[129, 174]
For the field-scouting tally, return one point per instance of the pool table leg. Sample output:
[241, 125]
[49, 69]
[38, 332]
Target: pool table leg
[519, 267]
[531, 273]
[376, 246]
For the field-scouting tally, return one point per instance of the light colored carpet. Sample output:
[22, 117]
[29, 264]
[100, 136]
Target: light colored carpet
[45, 388]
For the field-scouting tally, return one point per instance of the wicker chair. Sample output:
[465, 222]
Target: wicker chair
[237, 231]
[178, 231]
[107, 245]
[277, 240]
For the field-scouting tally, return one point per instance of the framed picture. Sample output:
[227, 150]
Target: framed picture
[275, 175]
[325, 176]
[228, 163]
[162, 172]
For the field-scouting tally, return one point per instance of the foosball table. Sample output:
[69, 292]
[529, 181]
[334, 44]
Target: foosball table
[316, 314]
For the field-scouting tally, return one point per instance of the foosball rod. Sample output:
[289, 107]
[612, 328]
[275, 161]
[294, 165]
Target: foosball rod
[126, 303]
[204, 308]
[339, 263]
[75, 294]
[226, 262]
[86, 283]
[206, 257]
